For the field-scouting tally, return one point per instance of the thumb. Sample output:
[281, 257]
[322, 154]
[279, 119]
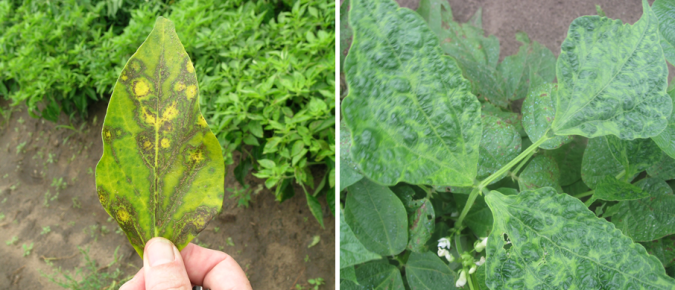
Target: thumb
[163, 266]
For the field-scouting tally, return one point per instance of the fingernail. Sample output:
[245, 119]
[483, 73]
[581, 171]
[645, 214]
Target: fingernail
[160, 252]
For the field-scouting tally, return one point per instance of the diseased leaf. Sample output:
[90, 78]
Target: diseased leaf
[665, 13]
[377, 218]
[379, 275]
[538, 114]
[663, 249]
[609, 188]
[635, 155]
[410, 111]
[542, 171]
[664, 169]
[649, 218]
[524, 72]
[352, 251]
[500, 144]
[509, 117]
[162, 170]
[666, 140]
[348, 172]
[569, 158]
[479, 218]
[598, 161]
[428, 271]
[346, 35]
[557, 243]
[612, 79]
[576, 188]
[421, 217]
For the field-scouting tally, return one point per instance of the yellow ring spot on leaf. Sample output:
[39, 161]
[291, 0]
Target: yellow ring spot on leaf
[123, 215]
[135, 66]
[190, 68]
[202, 122]
[165, 143]
[124, 77]
[191, 91]
[179, 86]
[147, 145]
[141, 88]
[170, 113]
[197, 156]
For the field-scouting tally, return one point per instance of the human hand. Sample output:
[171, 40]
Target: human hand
[166, 268]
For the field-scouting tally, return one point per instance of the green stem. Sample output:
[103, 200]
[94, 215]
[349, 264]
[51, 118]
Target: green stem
[590, 201]
[584, 194]
[527, 158]
[467, 207]
[458, 244]
[469, 281]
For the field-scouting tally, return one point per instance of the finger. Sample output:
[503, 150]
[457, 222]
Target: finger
[213, 269]
[136, 283]
[163, 266]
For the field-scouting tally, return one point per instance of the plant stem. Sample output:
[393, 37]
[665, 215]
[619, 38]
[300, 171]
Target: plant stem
[467, 207]
[458, 244]
[584, 194]
[527, 158]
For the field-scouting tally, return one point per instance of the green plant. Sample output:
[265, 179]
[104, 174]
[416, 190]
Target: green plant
[45, 230]
[90, 276]
[27, 249]
[76, 202]
[443, 182]
[316, 282]
[243, 195]
[49, 197]
[59, 184]
[19, 148]
[11, 241]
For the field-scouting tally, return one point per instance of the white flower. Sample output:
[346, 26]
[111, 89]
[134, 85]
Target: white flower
[472, 270]
[445, 253]
[480, 246]
[441, 252]
[462, 279]
[444, 243]
[481, 262]
[454, 214]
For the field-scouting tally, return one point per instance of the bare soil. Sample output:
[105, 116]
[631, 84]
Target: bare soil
[269, 240]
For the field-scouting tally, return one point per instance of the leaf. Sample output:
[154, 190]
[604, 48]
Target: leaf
[612, 79]
[348, 273]
[649, 218]
[352, 252]
[598, 161]
[663, 249]
[664, 169]
[538, 114]
[609, 188]
[162, 170]
[479, 219]
[314, 207]
[569, 158]
[420, 225]
[576, 188]
[635, 155]
[542, 171]
[427, 271]
[557, 243]
[379, 275]
[409, 109]
[509, 117]
[500, 144]
[346, 34]
[524, 72]
[664, 10]
[666, 140]
[348, 172]
[377, 218]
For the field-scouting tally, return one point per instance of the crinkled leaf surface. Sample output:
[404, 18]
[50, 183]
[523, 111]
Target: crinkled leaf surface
[162, 170]
[612, 79]
[500, 144]
[379, 275]
[421, 217]
[510, 118]
[557, 243]
[532, 66]
[664, 169]
[663, 249]
[635, 155]
[542, 171]
[538, 114]
[649, 218]
[346, 35]
[610, 188]
[377, 217]
[479, 218]
[349, 173]
[411, 113]
[428, 271]
[665, 12]
[352, 252]
[598, 161]
[666, 140]
[569, 158]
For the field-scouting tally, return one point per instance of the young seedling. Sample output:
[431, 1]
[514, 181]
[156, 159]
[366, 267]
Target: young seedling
[45, 230]
[27, 249]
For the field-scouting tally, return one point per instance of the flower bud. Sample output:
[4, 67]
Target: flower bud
[462, 279]
[480, 245]
[472, 270]
[481, 261]
[444, 243]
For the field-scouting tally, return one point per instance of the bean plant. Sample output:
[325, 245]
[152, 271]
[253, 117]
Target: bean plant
[458, 170]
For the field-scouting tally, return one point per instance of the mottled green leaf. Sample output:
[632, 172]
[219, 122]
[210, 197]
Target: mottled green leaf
[569, 158]
[348, 171]
[665, 13]
[428, 271]
[599, 161]
[162, 170]
[421, 217]
[410, 111]
[480, 279]
[609, 188]
[352, 252]
[663, 249]
[612, 79]
[538, 114]
[479, 218]
[666, 140]
[509, 117]
[346, 34]
[635, 155]
[314, 207]
[500, 144]
[664, 169]
[545, 240]
[377, 217]
[379, 275]
[649, 218]
[576, 188]
[542, 171]
[531, 67]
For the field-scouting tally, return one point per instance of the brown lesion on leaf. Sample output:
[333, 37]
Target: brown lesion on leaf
[103, 196]
[126, 216]
[192, 223]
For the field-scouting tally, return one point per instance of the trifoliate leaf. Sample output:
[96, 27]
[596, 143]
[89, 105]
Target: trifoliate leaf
[538, 114]
[649, 218]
